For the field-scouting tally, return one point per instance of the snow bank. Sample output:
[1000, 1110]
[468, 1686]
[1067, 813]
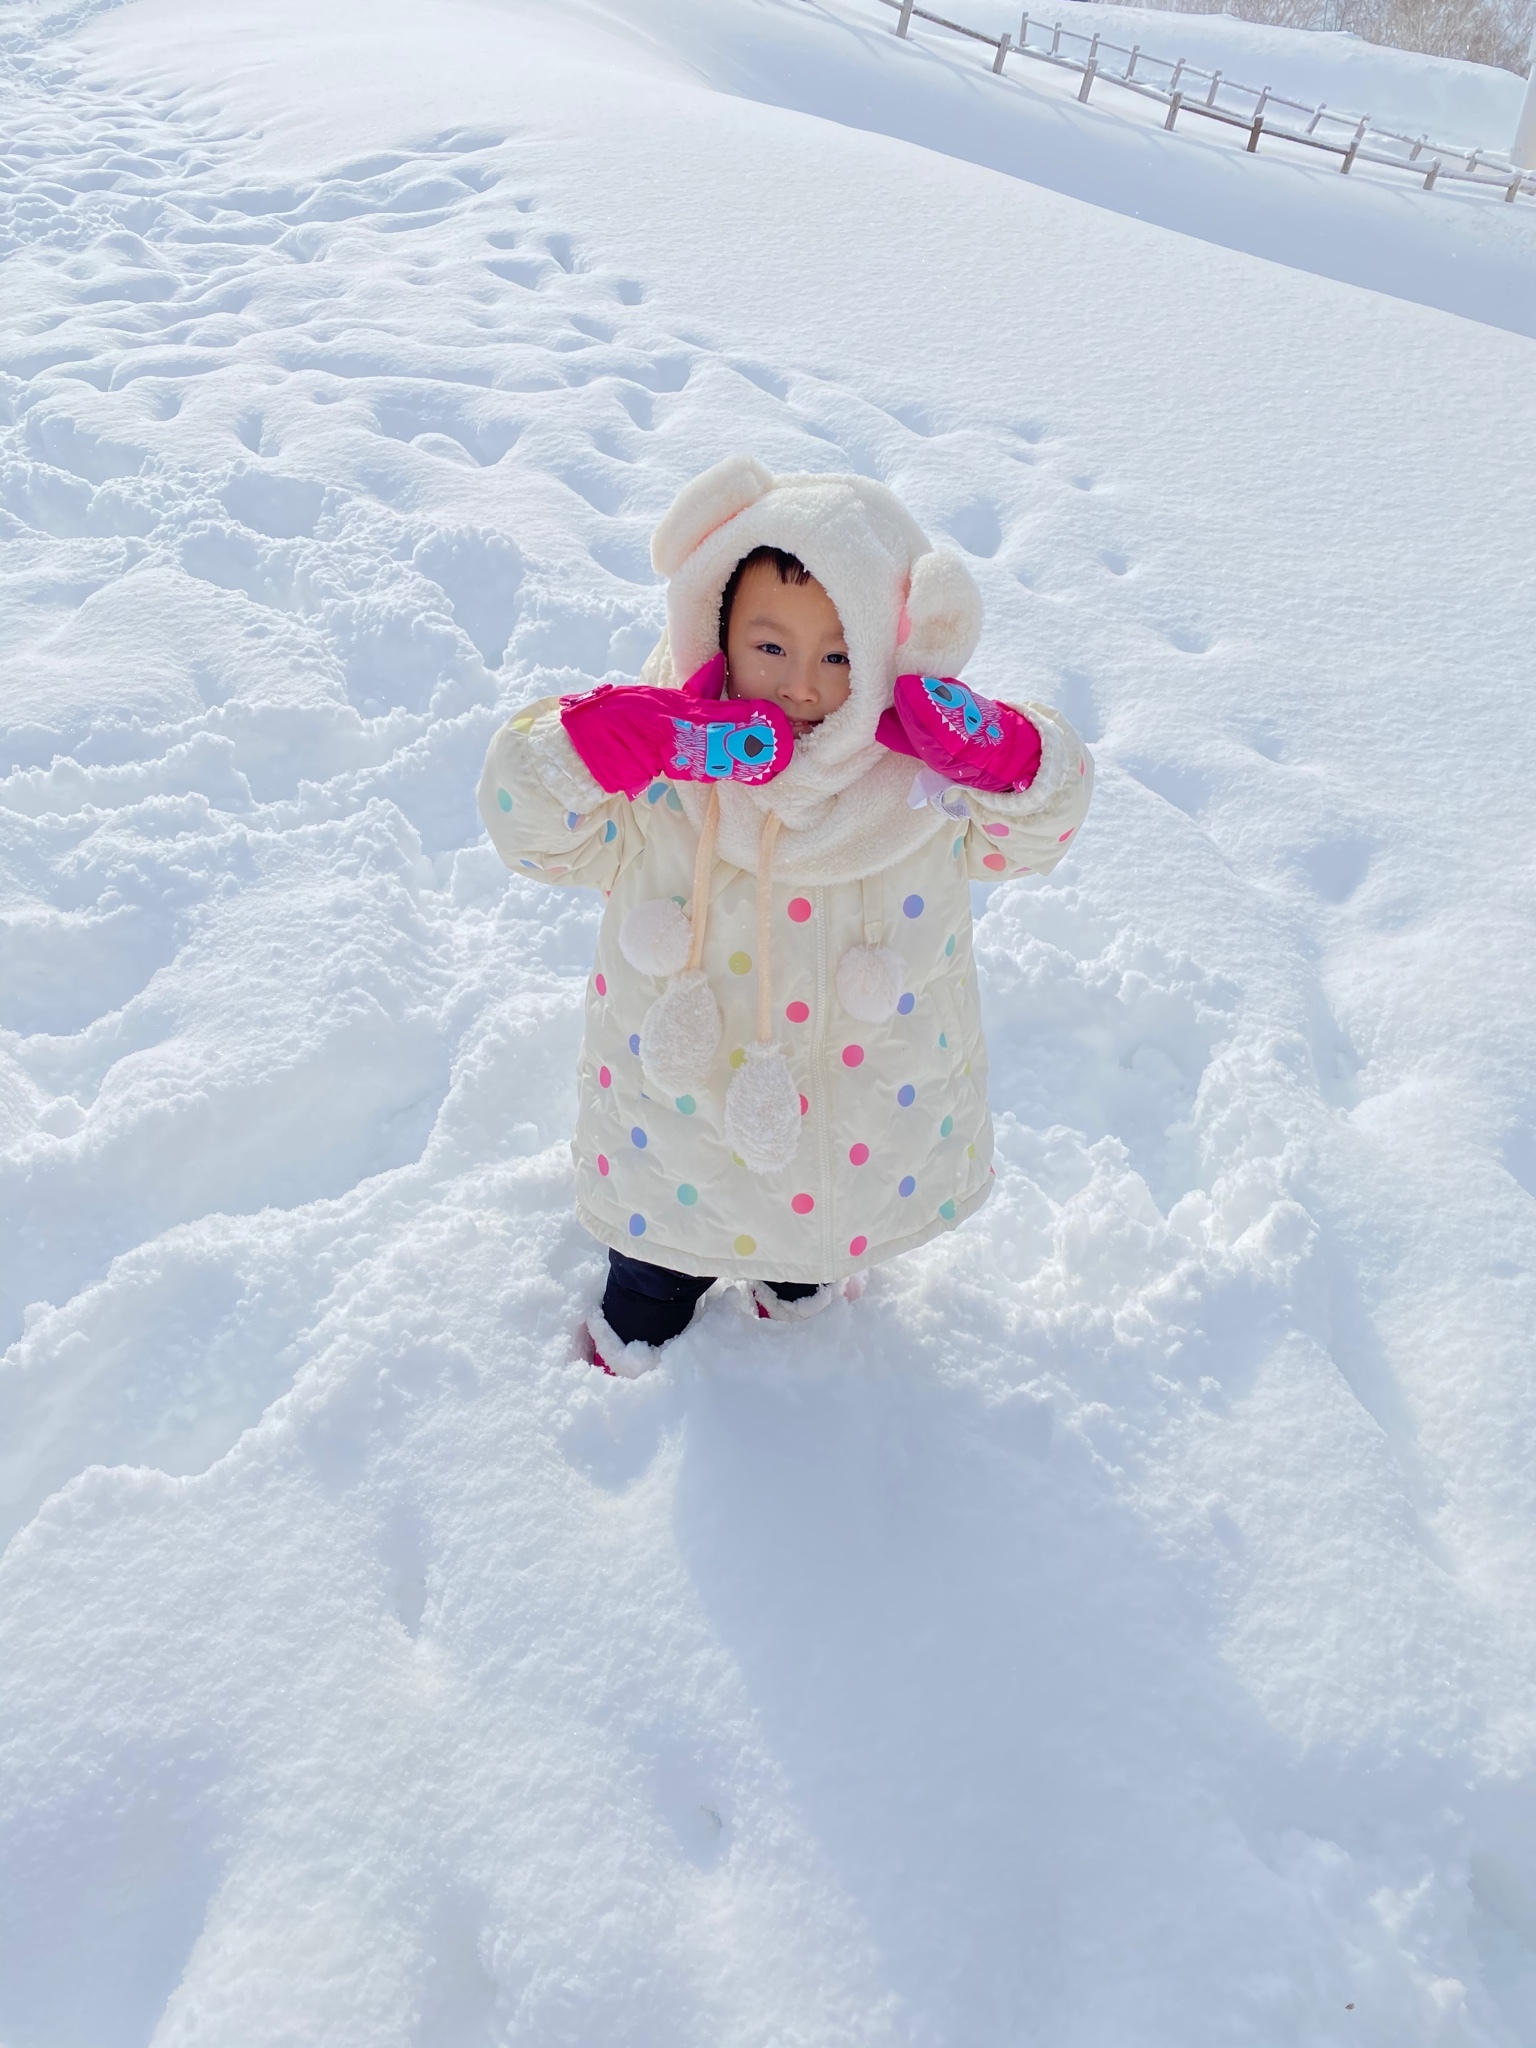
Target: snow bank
[1113, 1630]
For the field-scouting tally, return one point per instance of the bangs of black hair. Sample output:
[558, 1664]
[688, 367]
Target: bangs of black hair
[790, 567]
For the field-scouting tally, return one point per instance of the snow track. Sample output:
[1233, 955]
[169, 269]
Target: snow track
[1111, 1631]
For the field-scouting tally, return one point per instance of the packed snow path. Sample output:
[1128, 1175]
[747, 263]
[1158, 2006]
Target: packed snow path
[1113, 1631]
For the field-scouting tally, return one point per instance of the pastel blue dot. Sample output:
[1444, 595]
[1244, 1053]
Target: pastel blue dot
[955, 849]
[656, 792]
[610, 833]
[504, 798]
[906, 1095]
[637, 1226]
[949, 947]
[679, 760]
[634, 1041]
[947, 1211]
[907, 1004]
[674, 801]
[946, 1127]
[572, 820]
[943, 1041]
[637, 1137]
[907, 1186]
[687, 1195]
[686, 1104]
[913, 907]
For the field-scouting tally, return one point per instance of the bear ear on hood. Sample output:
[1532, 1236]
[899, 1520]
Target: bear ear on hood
[709, 501]
[944, 610]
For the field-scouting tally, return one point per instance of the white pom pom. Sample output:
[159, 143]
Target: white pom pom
[869, 982]
[681, 1034]
[655, 937]
[762, 1110]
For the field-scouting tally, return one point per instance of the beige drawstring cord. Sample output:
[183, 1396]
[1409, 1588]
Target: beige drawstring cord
[703, 861]
[765, 844]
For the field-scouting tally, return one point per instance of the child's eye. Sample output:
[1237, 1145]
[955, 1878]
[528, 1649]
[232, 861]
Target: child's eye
[769, 647]
[842, 659]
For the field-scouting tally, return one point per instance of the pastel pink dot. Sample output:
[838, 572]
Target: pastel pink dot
[995, 861]
[805, 1107]
[602, 1165]
[857, 1154]
[604, 1078]
[1067, 834]
[802, 1204]
[853, 1055]
[600, 984]
[799, 909]
[997, 831]
[1082, 767]
[797, 1012]
[858, 1247]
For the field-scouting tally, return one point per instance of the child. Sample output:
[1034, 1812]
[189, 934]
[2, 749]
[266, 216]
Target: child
[783, 1078]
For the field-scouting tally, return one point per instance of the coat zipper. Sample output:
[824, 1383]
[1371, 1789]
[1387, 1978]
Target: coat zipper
[821, 1082]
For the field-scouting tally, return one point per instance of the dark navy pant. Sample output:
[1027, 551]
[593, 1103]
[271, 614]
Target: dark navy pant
[647, 1304]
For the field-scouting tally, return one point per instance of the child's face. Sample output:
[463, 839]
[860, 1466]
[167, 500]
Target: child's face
[785, 642]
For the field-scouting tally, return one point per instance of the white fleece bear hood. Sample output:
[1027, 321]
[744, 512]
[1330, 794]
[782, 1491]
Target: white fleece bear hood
[905, 606]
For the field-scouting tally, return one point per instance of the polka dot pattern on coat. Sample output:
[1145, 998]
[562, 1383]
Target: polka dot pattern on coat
[853, 1055]
[799, 909]
[906, 1185]
[906, 1005]
[797, 1013]
[912, 907]
[802, 1204]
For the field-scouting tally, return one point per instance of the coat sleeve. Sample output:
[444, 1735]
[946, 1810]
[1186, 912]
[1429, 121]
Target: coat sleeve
[545, 813]
[1026, 831]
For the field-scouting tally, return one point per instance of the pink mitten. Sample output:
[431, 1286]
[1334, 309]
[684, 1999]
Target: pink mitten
[627, 737]
[971, 740]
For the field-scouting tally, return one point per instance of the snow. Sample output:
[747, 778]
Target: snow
[1111, 1631]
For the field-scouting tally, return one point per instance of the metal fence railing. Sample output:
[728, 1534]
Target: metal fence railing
[1187, 91]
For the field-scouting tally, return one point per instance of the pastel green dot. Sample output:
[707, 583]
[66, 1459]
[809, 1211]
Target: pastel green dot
[744, 1246]
[970, 1151]
[687, 1105]
[674, 801]
[955, 849]
[504, 798]
[947, 1211]
[949, 947]
[740, 963]
[739, 1056]
[946, 1127]
[689, 1195]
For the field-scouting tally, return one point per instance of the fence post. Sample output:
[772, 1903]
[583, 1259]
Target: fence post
[1514, 186]
[1093, 49]
[1263, 103]
[1254, 133]
[1312, 124]
[906, 17]
[1178, 73]
[1004, 45]
[1417, 147]
[1024, 32]
[1173, 109]
[1130, 68]
[1431, 174]
[1056, 39]
[1087, 85]
[1472, 162]
[1210, 98]
[1349, 155]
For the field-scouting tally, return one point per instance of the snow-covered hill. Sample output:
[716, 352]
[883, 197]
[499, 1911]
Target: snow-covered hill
[1113, 1630]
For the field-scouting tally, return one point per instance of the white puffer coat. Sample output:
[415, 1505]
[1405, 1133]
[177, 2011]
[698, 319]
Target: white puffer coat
[870, 991]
